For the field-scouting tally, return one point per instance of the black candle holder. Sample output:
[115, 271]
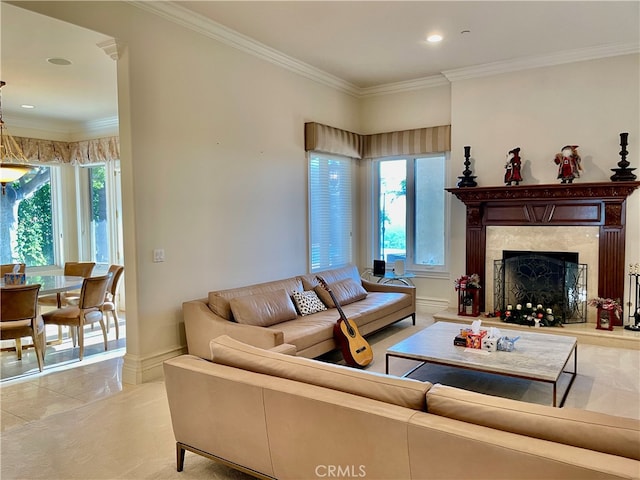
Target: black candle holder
[623, 172]
[467, 180]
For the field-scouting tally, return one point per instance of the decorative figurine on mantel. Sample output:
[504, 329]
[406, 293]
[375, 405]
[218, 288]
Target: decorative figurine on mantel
[569, 163]
[513, 167]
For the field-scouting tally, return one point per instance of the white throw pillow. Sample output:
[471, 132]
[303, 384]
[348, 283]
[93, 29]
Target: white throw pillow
[307, 302]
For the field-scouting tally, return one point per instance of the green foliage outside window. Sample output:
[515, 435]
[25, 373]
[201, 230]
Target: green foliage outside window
[35, 229]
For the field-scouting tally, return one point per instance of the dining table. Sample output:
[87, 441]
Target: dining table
[50, 284]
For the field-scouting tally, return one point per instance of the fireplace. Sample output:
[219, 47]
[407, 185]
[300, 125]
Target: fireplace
[551, 279]
[597, 205]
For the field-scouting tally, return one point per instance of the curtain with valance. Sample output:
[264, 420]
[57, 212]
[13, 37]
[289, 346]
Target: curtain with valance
[322, 138]
[85, 152]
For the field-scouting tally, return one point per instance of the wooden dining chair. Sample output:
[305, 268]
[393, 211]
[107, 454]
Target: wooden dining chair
[87, 311]
[19, 318]
[110, 302]
[76, 269]
[8, 268]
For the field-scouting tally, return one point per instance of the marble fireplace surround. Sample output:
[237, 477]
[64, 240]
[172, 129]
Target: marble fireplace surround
[598, 205]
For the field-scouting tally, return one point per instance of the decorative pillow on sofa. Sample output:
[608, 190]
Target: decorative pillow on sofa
[307, 302]
[346, 291]
[263, 309]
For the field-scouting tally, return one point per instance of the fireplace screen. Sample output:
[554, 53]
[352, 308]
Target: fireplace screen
[552, 279]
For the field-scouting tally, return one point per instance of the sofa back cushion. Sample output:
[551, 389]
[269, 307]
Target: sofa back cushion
[263, 309]
[310, 281]
[570, 426]
[219, 300]
[346, 291]
[398, 391]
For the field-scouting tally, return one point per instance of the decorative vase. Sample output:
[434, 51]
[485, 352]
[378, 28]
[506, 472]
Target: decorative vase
[606, 319]
[469, 302]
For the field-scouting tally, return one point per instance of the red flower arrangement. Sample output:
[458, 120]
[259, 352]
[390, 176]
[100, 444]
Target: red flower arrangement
[605, 304]
[468, 281]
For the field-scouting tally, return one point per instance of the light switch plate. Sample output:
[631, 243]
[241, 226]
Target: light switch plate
[158, 255]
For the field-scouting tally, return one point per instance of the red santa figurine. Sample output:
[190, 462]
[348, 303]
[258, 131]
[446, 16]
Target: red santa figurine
[513, 167]
[568, 162]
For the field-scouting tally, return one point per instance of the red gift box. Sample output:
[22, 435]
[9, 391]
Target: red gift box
[475, 340]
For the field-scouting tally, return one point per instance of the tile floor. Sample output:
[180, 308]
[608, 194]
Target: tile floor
[83, 423]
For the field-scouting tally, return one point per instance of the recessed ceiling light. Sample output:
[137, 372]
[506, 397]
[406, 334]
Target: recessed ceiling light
[28, 107]
[59, 61]
[435, 38]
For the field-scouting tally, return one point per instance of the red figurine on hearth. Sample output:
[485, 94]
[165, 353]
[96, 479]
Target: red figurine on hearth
[569, 163]
[513, 167]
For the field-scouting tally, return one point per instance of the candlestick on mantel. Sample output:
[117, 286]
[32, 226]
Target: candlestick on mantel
[623, 172]
[467, 180]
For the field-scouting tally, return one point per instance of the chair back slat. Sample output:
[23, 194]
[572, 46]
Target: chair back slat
[8, 268]
[116, 272]
[79, 269]
[93, 291]
[19, 303]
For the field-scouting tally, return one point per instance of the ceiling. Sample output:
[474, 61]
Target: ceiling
[363, 44]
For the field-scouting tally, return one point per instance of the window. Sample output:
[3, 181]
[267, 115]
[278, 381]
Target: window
[330, 217]
[28, 219]
[412, 212]
[100, 198]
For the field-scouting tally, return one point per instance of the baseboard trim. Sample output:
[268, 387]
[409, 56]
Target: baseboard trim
[137, 370]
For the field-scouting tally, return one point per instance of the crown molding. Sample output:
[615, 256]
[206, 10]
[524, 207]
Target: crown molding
[172, 11]
[76, 130]
[537, 61]
[405, 86]
[199, 23]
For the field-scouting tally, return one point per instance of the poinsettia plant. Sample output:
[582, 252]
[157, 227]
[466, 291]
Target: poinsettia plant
[605, 304]
[468, 281]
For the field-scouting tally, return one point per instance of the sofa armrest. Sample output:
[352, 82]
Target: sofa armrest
[202, 325]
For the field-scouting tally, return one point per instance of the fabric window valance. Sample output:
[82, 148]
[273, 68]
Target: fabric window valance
[322, 138]
[85, 152]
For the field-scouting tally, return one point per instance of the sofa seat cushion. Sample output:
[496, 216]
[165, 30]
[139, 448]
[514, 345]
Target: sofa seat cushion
[398, 391]
[376, 305]
[219, 300]
[570, 426]
[263, 309]
[310, 330]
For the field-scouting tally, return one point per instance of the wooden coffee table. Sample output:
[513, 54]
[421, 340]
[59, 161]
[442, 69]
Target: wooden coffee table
[540, 357]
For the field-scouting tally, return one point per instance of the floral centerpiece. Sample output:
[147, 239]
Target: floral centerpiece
[468, 281]
[605, 304]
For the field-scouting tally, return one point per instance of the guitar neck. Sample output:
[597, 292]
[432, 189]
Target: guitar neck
[337, 304]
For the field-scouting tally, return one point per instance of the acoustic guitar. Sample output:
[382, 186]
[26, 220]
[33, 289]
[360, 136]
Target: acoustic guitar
[355, 349]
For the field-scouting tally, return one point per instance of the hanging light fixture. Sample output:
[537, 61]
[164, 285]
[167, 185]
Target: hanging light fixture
[13, 163]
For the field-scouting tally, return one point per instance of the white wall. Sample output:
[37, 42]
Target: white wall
[213, 168]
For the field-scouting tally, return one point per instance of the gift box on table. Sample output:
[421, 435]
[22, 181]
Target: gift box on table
[474, 340]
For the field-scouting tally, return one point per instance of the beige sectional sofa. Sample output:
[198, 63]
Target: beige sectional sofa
[286, 417]
[265, 316]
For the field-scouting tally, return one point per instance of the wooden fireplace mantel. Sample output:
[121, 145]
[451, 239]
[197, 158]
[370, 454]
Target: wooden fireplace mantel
[574, 204]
